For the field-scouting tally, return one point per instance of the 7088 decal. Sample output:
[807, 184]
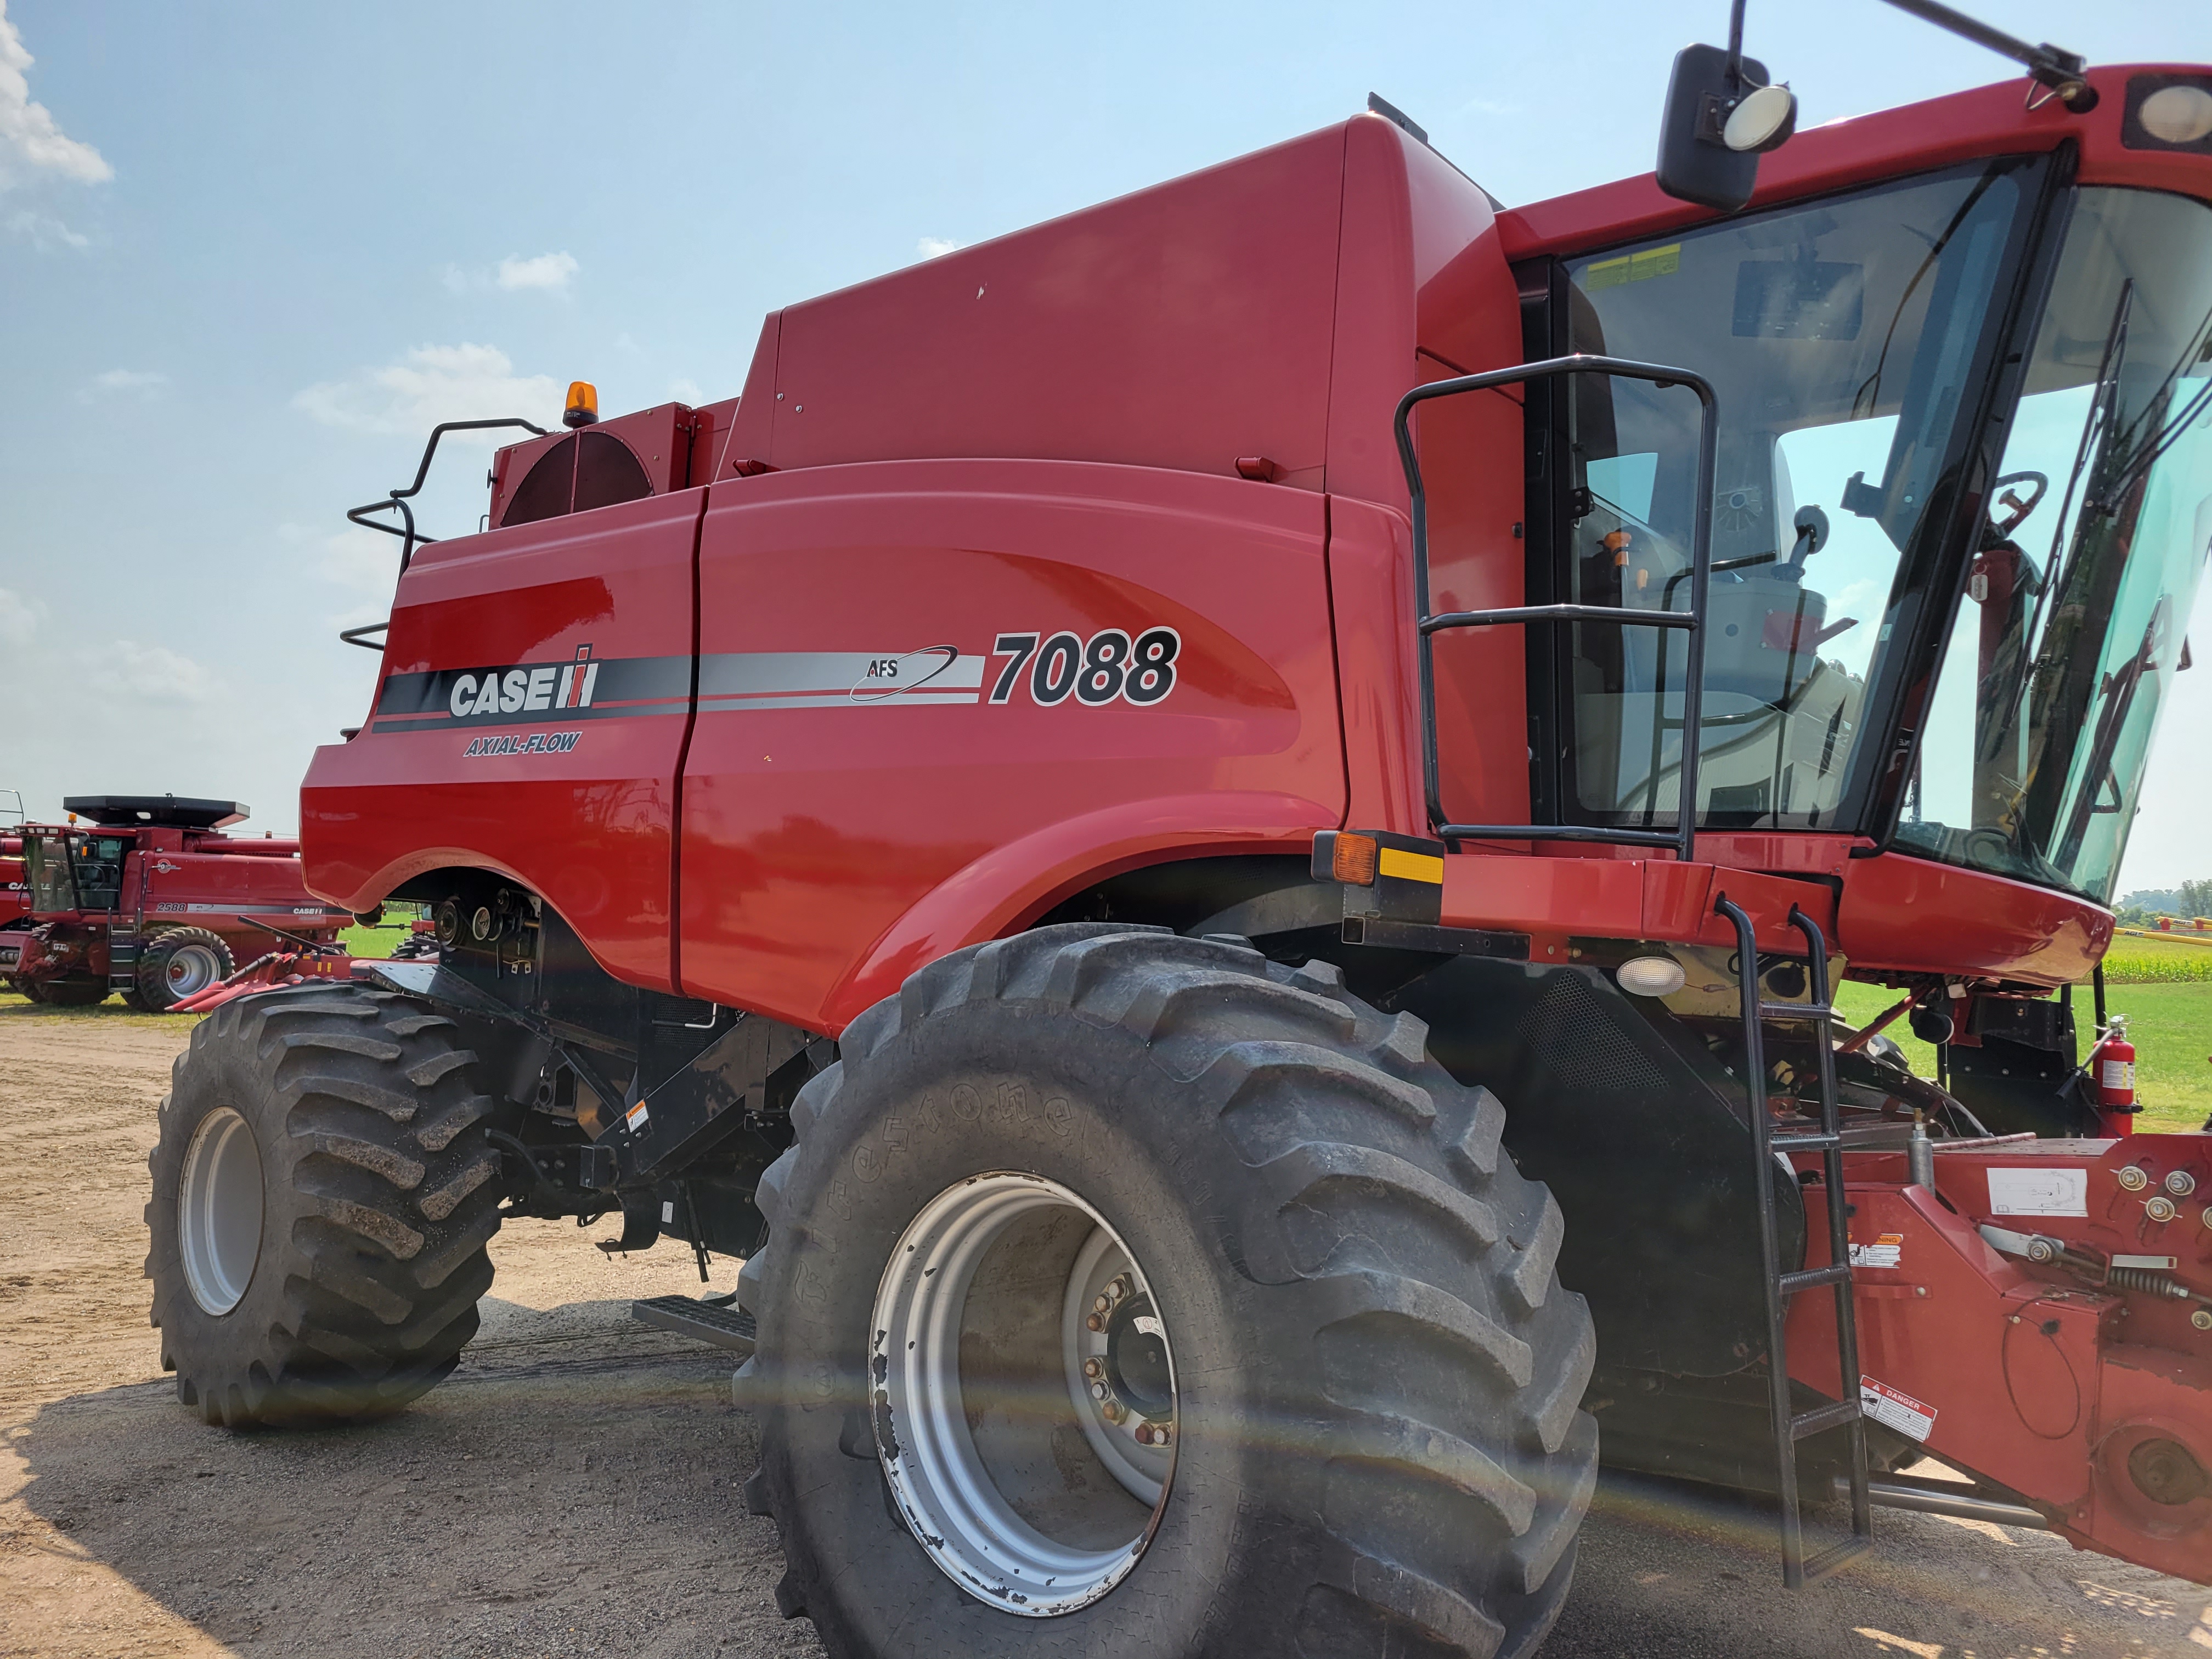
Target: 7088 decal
[1111, 665]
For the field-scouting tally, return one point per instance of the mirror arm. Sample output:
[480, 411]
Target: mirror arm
[2048, 65]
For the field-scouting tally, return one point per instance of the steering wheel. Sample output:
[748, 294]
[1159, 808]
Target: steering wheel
[2002, 530]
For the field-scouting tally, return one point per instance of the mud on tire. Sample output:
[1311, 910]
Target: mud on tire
[379, 1193]
[1380, 1448]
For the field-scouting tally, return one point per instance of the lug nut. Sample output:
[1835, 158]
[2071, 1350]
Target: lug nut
[2180, 1183]
[1113, 1411]
[2133, 1178]
[1103, 1303]
[1119, 1288]
[1151, 1434]
[1100, 1391]
[1095, 1322]
[1094, 1369]
[2161, 1209]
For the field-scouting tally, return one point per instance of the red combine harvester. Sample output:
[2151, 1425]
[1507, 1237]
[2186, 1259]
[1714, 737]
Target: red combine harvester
[1217, 836]
[15, 906]
[151, 901]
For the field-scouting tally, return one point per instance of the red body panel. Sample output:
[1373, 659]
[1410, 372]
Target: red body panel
[591, 828]
[15, 896]
[820, 809]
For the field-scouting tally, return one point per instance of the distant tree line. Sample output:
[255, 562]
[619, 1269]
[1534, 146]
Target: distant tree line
[2190, 898]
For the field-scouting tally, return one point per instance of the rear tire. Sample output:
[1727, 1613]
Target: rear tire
[323, 1195]
[176, 963]
[1379, 1447]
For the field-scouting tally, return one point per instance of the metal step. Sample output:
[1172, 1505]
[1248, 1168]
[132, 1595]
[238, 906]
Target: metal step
[730, 1327]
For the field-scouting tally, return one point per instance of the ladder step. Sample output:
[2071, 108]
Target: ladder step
[1800, 1011]
[1836, 1556]
[1823, 1417]
[1811, 1143]
[726, 1326]
[1838, 1272]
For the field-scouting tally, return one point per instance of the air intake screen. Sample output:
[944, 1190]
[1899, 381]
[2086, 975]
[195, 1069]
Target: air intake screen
[583, 470]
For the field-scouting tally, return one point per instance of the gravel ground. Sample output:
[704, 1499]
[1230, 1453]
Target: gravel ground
[572, 1488]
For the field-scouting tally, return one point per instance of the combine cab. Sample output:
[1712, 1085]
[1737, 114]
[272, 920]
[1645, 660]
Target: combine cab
[1218, 837]
[148, 898]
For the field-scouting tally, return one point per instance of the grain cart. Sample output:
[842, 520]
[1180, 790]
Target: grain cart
[1218, 837]
[148, 898]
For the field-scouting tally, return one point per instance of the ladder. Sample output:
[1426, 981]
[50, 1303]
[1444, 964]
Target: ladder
[124, 945]
[1791, 1426]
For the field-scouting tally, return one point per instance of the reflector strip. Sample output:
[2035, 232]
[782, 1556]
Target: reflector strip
[1411, 866]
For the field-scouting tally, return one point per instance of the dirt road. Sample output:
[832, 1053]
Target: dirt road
[572, 1488]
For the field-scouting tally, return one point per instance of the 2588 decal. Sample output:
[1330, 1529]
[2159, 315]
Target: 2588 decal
[1109, 664]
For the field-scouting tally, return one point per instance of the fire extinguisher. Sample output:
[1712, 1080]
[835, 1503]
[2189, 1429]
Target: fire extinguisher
[2112, 1074]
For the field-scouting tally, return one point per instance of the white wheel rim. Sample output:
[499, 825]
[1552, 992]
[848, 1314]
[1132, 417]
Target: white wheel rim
[978, 1372]
[191, 970]
[219, 1211]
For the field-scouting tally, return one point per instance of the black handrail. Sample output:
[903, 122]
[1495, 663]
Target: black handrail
[399, 498]
[1683, 839]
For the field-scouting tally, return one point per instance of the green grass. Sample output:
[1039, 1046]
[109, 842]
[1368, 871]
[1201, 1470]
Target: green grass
[15, 1010]
[2170, 1024]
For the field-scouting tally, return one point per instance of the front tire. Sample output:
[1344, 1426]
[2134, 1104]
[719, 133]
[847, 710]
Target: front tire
[1378, 1444]
[176, 963]
[323, 1196]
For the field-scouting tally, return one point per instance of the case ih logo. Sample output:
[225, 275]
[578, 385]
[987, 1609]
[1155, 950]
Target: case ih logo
[535, 693]
[525, 690]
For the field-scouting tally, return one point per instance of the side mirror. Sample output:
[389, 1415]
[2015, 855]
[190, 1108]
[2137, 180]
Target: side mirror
[1721, 116]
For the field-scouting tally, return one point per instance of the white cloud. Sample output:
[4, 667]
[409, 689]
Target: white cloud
[20, 618]
[44, 232]
[687, 391]
[931, 247]
[430, 384]
[547, 271]
[151, 671]
[146, 384]
[30, 143]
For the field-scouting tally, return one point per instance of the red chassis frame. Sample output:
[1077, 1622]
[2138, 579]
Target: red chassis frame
[809, 760]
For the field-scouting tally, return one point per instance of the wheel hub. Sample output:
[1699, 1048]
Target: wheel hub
[218, 1209]
[1011, 1314]
[191, 970]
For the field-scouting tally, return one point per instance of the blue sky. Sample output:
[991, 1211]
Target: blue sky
[250, 253]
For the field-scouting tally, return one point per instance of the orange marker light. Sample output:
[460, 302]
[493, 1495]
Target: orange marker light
[1352, 860]
[583, 405]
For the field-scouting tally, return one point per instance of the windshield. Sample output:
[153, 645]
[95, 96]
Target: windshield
[2072, 627]
[1845, 342]
[46, 866]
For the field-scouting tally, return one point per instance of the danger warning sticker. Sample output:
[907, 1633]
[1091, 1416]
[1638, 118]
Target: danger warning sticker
[1896, 1409]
